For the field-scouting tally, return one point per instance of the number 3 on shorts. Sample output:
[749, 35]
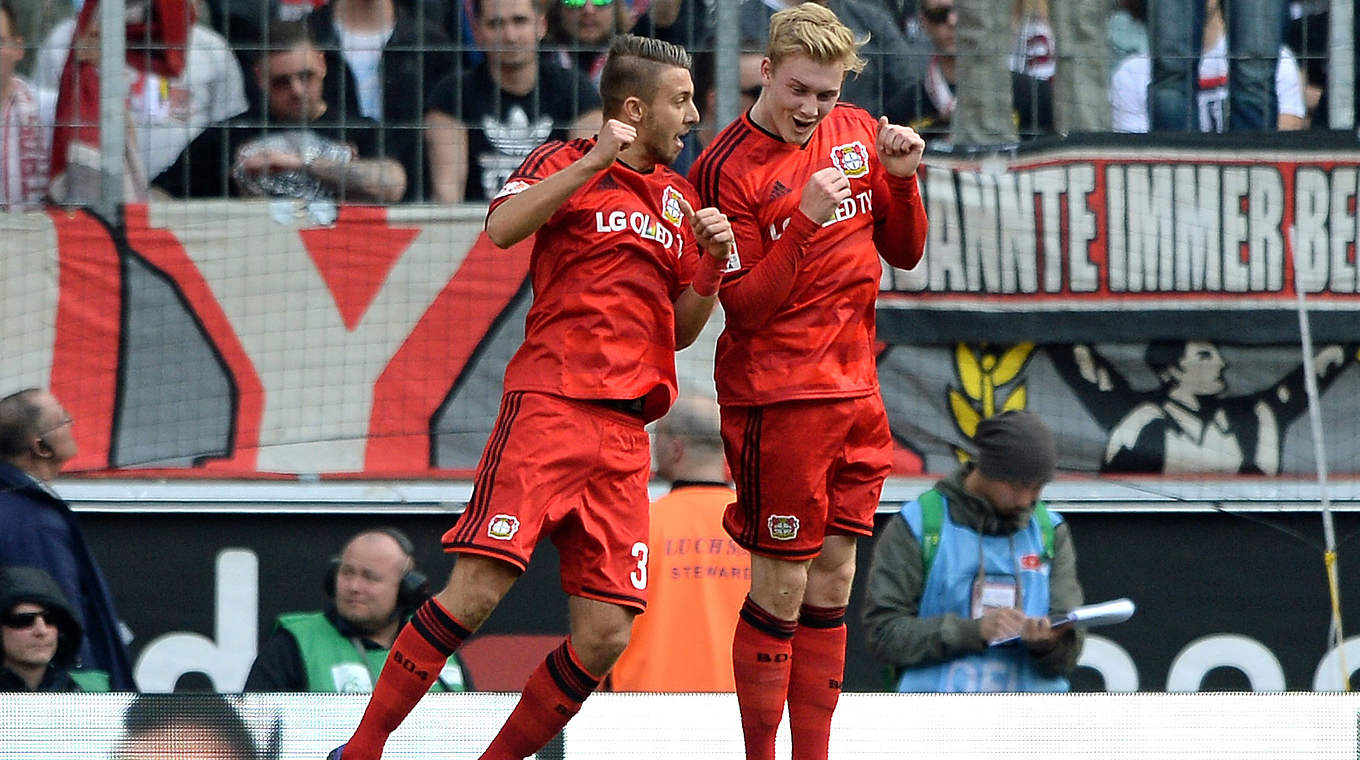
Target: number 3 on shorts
[639, 576]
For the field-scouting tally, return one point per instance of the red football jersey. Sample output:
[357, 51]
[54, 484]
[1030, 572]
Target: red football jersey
[818, 342]
[606, 269]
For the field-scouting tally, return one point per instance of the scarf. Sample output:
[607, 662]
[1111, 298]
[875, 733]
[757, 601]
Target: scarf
[23, 149]
[157, 33]
[938, 90]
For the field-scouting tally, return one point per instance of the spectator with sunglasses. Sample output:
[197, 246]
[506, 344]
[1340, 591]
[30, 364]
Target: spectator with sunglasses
[579, 32]
[40, 636]
[298, 145]
[40, 530]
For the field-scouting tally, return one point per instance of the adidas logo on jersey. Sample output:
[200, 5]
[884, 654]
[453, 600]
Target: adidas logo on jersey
[778, 191]
[607, 182]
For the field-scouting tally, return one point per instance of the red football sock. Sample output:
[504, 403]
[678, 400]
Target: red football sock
[417, 656]
[815, 681]
[761, 652]
[552, 696]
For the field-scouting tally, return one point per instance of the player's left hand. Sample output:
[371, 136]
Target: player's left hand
[899, 148]
[711, 229]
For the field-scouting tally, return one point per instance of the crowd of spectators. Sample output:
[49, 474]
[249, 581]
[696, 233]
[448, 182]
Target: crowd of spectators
[435, 100]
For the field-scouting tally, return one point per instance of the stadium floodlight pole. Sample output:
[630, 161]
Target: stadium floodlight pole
[112, 108]
[1310, 386]
[1341, 64]
[727, 62]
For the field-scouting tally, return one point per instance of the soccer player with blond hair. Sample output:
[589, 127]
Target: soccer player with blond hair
[816, 192]
[620, 282]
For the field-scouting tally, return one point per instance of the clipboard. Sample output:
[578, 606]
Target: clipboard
[1090, 615]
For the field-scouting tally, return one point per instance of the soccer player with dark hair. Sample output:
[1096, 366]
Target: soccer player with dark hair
[619, 283]
[816, 192]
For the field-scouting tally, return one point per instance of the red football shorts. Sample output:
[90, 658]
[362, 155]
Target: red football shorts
[805, 469]
[574, 471]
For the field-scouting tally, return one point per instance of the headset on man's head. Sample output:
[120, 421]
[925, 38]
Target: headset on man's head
[414, 588]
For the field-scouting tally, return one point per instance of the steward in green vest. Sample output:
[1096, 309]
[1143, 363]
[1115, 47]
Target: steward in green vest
[327, 656]
[373, 588]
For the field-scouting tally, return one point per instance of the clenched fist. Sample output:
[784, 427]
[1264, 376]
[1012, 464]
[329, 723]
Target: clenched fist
[824, 191]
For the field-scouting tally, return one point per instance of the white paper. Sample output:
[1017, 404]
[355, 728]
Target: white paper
[1090, 615]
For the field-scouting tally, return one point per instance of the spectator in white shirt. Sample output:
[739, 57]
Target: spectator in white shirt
[167, 113]
[25, 125]
[1132, 78]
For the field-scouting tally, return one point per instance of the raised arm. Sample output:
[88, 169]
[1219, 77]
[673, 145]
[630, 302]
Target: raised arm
[520, 215]
[900, 229]
[695, 304]
[751, 300]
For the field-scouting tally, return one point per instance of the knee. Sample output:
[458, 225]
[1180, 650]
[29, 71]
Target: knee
[599, 646]
[829, 583]
[475, 587]
[470, 605]
[780, 590]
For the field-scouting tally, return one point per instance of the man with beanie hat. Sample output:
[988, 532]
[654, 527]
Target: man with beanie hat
[975, 560]
[40, 636]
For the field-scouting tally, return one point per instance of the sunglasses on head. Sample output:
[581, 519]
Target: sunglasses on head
[23, 620]
[937, 15]
[582, 3]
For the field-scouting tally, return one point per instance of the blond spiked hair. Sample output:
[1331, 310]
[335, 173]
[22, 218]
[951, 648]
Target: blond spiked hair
[813, 30]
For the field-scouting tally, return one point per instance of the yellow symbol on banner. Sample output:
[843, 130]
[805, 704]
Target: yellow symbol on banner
[984, 374]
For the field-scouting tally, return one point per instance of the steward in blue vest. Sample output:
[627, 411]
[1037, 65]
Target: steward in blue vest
[976, 559]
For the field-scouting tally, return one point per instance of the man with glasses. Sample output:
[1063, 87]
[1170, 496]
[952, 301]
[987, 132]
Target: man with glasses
[40, 530]
[297, 146]
[40, 636]
[928, 105]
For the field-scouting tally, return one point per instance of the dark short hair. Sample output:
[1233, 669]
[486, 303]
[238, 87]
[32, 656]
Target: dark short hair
[475, 8]
[1162, 355]
[634, 67]
[170, 713]
[19, 419]
[286, 35]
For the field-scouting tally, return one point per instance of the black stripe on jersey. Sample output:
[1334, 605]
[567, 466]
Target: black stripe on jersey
[486, 479]
[721, 152]
[574, 682]
[718, 152]
[750, 473]
[534, 161]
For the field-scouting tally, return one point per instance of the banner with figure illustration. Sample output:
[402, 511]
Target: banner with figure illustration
[1143, 294]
